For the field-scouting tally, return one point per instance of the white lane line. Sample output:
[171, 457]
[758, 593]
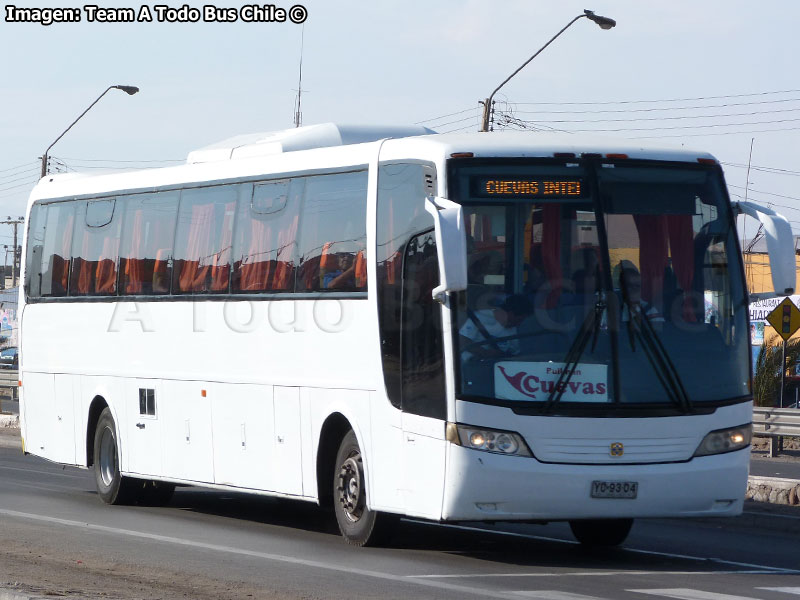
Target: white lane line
[329, 566]
[623, 548]
[785, 590]
[688, 594]
[594, 574]
[555, 595]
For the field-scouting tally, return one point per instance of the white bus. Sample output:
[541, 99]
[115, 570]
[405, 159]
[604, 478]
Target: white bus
[471, 327]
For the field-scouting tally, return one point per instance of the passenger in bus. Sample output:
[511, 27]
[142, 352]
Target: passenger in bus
[497, 327]
[631, 285]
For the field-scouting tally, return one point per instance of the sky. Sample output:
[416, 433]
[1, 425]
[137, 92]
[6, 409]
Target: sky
[714, 75]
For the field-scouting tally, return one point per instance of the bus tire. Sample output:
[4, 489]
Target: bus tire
[112, 487]
[601, 532]
[359, 525]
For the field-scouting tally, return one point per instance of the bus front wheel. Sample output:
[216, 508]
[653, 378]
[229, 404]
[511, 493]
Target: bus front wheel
[359, 525]
[112, 487]
[601, 532]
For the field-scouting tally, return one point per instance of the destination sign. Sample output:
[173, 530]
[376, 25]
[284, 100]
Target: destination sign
[489, 187]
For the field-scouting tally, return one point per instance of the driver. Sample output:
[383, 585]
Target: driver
[491, 326]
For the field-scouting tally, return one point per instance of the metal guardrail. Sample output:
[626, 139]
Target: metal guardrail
[9, 379]
[775, 423]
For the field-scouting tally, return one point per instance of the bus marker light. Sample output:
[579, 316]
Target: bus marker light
[462, 155]
[613, 155]
[203, 393]
[707, 161]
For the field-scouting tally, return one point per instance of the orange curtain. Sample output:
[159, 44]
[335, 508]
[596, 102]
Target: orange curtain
[61, 272]
[106, 272]
[361, 271]
[221, 263]
[284, 270]
[134, 275]
[84, 267]
[255, 269]
[193, 274]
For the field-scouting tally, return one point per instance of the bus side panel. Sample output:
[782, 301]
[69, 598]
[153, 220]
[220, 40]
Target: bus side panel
[65, 401]
[243, 433]
[186, 427]
[288, 460]
[38, 413]
[387, 455]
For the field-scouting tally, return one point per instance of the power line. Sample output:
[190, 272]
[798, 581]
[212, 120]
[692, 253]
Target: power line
[13, 187]
[654, 109]
[670, 118]
[18, 167]
[110, 160]
[664, 100]
[453, 114]
[651, 137]
[770, 170]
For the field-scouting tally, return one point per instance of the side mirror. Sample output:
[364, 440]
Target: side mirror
[451, 244]
[780, 246]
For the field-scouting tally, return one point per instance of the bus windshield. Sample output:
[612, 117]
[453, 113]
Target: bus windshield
[598, 284]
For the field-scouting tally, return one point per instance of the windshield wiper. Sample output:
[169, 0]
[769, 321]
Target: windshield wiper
[666, 373]
[589, 329]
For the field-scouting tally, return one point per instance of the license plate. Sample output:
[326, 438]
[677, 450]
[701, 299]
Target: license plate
[614, 489]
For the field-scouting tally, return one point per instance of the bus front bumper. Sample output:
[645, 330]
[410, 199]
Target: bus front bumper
[481, 486]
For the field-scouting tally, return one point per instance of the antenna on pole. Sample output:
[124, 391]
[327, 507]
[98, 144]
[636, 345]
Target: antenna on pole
[298, 115]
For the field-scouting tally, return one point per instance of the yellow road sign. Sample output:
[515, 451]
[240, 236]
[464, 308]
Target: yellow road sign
[785, 319]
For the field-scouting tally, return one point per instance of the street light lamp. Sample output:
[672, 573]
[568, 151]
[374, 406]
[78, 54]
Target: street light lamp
[128, 89]
[603, 22]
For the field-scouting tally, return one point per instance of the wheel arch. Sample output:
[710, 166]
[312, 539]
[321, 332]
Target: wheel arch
[331, 434]
[96, 408]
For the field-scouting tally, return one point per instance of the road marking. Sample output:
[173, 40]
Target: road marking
[687, 594]
[485, 593]
[595, 574]
[755, 567]
[556, 595]
[785, 590]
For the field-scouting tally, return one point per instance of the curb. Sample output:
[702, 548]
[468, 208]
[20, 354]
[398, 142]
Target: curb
[10, 421]
[774, 490]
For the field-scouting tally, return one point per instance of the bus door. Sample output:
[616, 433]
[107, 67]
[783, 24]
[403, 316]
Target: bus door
[424, 402]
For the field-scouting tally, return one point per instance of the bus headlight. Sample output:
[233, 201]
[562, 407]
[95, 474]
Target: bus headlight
[725, 440]
[487, 440]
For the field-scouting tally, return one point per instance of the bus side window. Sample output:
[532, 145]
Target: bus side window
[145, 258]
[34, 250]
[266, 237]
[333, 234]
[95, 249]
[203, 239]
[59, 222]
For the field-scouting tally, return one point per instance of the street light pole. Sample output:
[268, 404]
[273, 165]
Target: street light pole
[603, 22]
[128, 89]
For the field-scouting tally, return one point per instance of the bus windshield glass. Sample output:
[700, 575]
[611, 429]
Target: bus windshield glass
[594, 284]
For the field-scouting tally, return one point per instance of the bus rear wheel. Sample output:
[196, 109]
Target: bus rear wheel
[112, 487]
[601, 532]
[359, 525]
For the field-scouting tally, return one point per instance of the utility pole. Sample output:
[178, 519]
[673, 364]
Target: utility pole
[16, 254]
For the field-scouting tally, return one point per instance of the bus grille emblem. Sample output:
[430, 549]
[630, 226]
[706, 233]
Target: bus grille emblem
[617, 449]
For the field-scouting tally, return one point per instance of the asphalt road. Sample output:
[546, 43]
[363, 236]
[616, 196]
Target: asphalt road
[57, 537]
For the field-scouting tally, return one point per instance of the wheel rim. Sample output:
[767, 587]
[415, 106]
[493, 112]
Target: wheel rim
[351, 488]
[108, 456]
